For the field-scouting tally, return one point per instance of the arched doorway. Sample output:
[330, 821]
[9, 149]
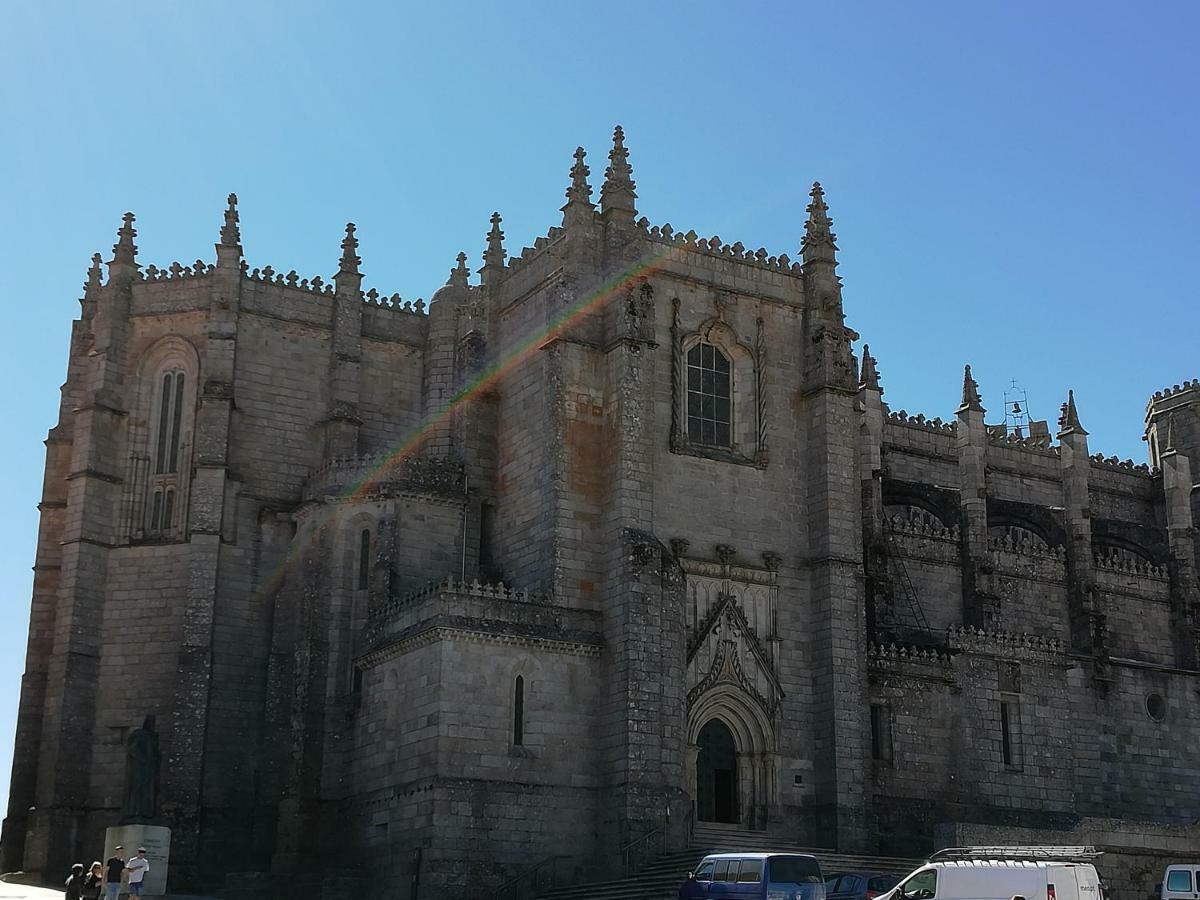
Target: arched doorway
[716, 774]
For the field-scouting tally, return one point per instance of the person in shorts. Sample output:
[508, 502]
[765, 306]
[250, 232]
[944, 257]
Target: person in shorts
[113, 870]
[137, 868]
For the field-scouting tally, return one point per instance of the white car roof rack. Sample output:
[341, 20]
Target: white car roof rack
[1030, 853]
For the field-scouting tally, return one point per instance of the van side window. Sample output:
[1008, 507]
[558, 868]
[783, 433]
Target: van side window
[750, 871]
[721, 872]
[1179, 880]
[921, 886]
[704, 873]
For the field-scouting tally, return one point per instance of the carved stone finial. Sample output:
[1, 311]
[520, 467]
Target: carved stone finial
[493, 257]
[1068, 419]
[869, 378]
[679, 546]
[970, 393]
[725, 554]
[618, 193]
[771, 560]
[459, 274]
[579, 207]
[350, 260]
[124, 250]
[231, 234]
[819, 240]
[93, 276]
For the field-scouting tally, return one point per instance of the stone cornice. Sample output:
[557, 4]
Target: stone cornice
[426, 636]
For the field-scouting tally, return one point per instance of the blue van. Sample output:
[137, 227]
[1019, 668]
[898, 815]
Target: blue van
[756, 876]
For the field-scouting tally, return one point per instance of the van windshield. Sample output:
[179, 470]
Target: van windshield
[793, 870]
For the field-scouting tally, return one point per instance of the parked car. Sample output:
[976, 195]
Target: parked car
[756, 876]
[1181, 881]
[858, 885]
[1003, 873]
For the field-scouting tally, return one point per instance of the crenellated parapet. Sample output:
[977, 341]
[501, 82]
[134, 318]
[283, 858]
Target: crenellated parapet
[386, 474]
[1100, 461]
[1194, 384]
[1127, 565]
[901, 417]
[909, 669]
[715, 247]
[457, 610]
[473, 588]
[1023, 543]
[921, 528]
[1038, 443]
[176, 272]
[908, 653]
[1004, 644]
[527, 254]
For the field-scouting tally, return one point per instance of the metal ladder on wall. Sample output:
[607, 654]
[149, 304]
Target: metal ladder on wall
[904, 586]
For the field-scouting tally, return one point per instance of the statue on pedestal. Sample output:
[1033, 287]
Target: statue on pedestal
[141, 774]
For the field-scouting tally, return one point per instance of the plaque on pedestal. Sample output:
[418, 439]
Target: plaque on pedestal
[157, 841]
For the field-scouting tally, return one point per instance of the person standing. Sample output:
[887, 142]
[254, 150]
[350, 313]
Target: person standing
[93, 882]
[115, 868]
[75, 883]
[138, 867]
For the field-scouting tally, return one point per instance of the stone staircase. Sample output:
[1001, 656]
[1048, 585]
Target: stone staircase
[660, 879]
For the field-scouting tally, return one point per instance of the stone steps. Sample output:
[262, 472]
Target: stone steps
[660, 879]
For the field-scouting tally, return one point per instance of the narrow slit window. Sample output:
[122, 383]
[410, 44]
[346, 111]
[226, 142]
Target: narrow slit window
[364, 559]
[1010, 733]
[881, 733]
[164, 417]
[519, 712]
[176, 424]
[709, 396]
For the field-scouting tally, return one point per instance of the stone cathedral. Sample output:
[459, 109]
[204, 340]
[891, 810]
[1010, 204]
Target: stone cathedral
[614, 536]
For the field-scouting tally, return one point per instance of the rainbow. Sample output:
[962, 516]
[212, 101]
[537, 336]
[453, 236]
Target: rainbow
[475, 388]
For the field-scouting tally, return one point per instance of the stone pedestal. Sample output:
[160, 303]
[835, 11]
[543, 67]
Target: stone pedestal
[157, 841]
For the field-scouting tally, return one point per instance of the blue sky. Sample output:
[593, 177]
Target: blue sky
[1013, 184]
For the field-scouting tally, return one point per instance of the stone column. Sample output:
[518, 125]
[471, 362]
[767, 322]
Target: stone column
[1075, 463]
[980, 604]
[188, 737]
[1181, 536]
[91, 489]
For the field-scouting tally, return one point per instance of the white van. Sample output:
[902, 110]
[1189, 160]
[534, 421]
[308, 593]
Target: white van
[1003, 873]
[1180, 882]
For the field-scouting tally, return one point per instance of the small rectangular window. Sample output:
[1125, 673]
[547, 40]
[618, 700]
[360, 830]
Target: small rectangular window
[721, 872]
[750, 871]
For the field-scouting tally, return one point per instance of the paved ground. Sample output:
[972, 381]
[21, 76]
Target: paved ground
[25, 892]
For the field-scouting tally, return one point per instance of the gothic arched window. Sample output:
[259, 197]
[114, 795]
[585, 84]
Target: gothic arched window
[709, 396]
[165, 451]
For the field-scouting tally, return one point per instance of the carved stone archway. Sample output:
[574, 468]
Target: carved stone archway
[757, 785]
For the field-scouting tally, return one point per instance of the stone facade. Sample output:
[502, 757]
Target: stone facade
[440, 593]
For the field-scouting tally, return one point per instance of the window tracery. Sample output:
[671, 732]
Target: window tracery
[719, 401]
[160, 430]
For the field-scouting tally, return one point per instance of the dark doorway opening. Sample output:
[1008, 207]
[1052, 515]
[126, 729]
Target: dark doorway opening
[716, 774]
